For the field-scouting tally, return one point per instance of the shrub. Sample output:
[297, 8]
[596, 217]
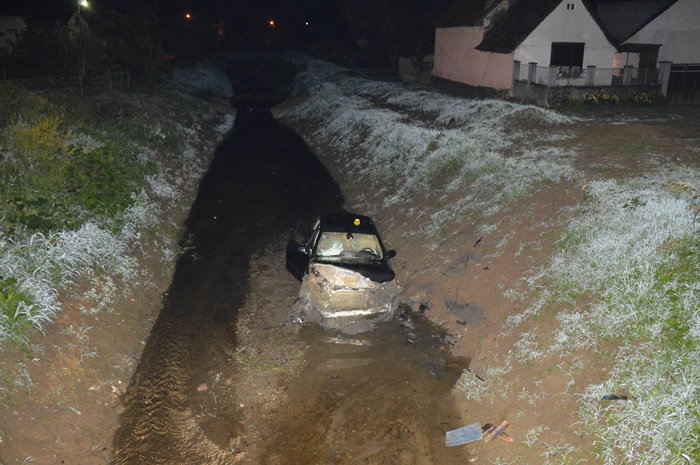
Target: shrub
[101, 181]
[39, 152]
[35, 145]
[601, 97]
[12, 319]
[18, 102]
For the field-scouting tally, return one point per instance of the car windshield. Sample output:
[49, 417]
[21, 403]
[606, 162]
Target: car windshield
[341, 247]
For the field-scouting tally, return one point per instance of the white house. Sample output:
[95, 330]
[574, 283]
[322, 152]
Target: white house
[565, 34]
[492, 43]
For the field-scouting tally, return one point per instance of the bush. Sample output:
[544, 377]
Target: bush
[39, 152]
[17, 102]
[12, 301]
[33, 142]
[601, 97]
[101, 181]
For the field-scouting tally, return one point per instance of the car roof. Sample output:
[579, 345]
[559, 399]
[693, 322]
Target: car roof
[347, 222]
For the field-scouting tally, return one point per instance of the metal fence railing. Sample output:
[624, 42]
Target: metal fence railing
[560, 76]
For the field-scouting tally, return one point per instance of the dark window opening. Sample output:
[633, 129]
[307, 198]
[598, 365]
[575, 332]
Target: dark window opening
[568, 56]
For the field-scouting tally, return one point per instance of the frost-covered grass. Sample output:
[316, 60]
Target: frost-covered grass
[624, 284]
[44, 265]
[205, 77]
[133, 153]
[633, 254]
[411, 144]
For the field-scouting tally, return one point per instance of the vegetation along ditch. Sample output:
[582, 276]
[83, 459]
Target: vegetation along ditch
[94, 191]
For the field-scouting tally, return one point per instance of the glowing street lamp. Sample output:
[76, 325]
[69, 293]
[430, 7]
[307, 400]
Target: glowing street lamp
[272, 25]
[188, 16]
[82, 5]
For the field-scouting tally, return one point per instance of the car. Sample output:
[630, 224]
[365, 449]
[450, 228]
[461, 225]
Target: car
[347, 282]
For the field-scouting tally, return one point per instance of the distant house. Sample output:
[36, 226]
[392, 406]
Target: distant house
[544, 49]
[11, 28]
[491, 44]
[77, 21]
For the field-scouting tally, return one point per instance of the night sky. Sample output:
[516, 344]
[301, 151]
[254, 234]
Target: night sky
[357, 30]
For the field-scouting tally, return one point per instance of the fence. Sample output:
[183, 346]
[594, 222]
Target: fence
[684, 83]
[590, 76]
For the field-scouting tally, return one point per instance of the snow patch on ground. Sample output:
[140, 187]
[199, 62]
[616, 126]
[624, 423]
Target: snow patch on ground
[206, 76]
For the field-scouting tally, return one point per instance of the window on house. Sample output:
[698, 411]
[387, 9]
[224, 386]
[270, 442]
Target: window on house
[568, 56]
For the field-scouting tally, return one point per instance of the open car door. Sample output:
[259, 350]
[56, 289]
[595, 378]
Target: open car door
[297, 255]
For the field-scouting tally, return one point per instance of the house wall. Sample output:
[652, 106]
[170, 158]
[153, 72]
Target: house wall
[677, 29]
[566, 25]
[456, 59]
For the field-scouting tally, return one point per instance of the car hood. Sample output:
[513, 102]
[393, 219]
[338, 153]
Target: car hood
[378, 272]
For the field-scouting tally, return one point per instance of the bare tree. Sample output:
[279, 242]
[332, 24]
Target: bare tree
[151, 54]
[80, 50]
[132, 44]
[391, 27]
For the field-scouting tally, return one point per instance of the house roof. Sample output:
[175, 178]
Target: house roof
[651, 18]
[518, 23]
[624, 18]
[465, 13]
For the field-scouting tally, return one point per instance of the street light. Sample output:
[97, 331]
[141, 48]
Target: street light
[82, 5]
[272, 25]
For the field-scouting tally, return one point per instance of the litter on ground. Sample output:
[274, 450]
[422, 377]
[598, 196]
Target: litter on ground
[464, 435]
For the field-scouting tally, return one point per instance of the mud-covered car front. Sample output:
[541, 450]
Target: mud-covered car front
[347, 280]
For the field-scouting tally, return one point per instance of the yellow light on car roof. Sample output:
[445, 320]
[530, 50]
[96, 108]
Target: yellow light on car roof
[356, 222]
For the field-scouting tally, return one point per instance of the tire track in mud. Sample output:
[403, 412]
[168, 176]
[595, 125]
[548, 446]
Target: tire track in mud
[262, 179]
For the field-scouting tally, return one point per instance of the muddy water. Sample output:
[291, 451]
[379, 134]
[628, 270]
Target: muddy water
[383, 398]
[377, 398]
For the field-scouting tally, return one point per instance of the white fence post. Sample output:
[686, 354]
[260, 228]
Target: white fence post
[664, 76]
[590, 77]
[552, 78]
[627, 76]
[531, 72]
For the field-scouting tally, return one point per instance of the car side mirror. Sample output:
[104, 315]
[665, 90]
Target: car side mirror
[302, 249]
[390, 254]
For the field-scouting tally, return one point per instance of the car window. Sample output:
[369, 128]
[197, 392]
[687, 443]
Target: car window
[299, 235]
[348, 247]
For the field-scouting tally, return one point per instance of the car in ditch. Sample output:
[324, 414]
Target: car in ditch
[347, 282]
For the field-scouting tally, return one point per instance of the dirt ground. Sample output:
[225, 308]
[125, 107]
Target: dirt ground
[68, 409]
